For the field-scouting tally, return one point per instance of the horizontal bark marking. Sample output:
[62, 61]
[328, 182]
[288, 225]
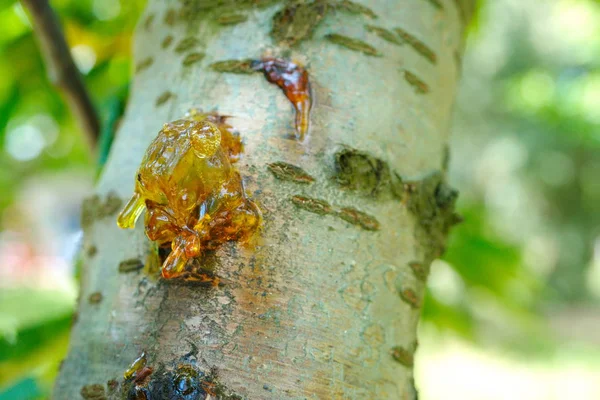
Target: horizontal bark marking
[164, 97]
[130, 265]
[384, 34]
[348, 214]
[288, 172]
[416, 82]
[402, 356]
[144, 64]
[417, 45]
[353, 44]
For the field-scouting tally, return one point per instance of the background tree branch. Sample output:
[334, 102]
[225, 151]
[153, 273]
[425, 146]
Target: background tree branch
[61, 68]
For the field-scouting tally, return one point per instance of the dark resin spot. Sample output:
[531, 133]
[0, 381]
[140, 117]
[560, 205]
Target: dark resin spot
[187, 382]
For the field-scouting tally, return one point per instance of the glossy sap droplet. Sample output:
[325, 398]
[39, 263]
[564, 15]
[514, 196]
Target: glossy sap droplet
[193, 196]
[137, 365]
[293, 80]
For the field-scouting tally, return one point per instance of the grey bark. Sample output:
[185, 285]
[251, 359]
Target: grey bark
[321, 308]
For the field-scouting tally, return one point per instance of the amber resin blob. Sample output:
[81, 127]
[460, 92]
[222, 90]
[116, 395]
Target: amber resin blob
[193, 196]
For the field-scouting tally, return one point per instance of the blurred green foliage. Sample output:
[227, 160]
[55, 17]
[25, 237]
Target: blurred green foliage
[99, 33]
[38, 135]
[526, 140]
[526, 137]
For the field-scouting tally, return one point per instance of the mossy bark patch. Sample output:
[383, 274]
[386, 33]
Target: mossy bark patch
[218, 12]
[294, 22]
[297, 21]
[364, 173]
[94, 208]
[246, 66]
[353, 44]
[289, 172]
[432, 202]
[93, 392]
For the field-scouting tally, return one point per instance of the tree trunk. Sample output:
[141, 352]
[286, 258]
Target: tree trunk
[326, 306]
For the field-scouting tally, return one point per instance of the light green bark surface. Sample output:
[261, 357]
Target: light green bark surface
[314, 311]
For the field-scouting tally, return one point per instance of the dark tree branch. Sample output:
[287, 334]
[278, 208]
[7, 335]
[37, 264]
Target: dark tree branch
[61, 68]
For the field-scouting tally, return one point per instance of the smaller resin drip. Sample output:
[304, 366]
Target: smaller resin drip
[293, 80]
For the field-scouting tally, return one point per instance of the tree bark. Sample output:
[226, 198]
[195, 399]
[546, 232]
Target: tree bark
[326, 306]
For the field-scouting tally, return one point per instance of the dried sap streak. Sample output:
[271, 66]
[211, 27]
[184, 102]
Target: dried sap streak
[194, 198]
[293, 80]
